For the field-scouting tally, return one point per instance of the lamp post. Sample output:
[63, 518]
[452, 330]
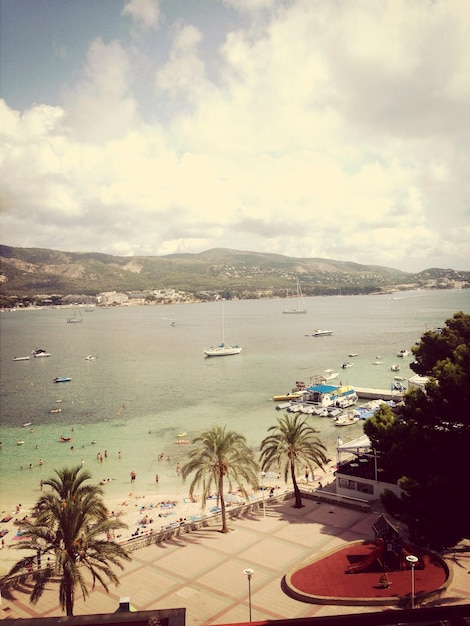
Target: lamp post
[249, 573]
[412, 559]
[263, 474]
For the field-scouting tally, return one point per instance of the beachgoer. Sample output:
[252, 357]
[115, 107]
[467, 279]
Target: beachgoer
[320, 486]
[178, 469]
[133, 476]
[119, 455]
[307, 474]
[156, 478]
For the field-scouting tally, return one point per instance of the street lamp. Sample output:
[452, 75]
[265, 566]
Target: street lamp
[263, 474]
[249, 573]
[412, 559]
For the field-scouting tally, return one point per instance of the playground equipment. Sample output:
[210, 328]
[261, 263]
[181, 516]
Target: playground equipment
[389, 551]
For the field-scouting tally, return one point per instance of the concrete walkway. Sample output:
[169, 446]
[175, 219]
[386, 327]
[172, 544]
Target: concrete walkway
[203, 570]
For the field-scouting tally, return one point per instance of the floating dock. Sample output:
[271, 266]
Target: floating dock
[371, 393]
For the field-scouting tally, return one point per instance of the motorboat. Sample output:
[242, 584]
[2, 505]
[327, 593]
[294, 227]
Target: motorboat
[402, 353]
[377, 362]
[39, 352]
[346, 419]
[330, 375]
[90, 357]
[352, 354]
[347, 364]
[320, 332]
[395, 368]
[61, 379]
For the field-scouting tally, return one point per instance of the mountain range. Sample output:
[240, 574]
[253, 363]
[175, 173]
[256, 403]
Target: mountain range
[26, 272]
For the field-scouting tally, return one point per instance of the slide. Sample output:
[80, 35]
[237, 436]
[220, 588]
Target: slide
[362, 565]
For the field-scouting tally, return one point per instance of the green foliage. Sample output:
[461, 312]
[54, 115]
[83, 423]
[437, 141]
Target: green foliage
[292, 444]
[221, 456]
[71, 531]
[426, 449]
[31, 271]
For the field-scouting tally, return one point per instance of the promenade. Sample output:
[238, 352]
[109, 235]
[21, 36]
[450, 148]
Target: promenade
[203, 570]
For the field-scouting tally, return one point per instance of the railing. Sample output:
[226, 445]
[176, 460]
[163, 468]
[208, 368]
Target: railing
[327, 496]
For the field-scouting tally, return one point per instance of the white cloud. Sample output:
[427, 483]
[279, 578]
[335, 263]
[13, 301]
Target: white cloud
[316, 129]
[144, 12]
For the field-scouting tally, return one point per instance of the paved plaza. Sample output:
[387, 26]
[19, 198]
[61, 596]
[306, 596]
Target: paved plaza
[203, 570]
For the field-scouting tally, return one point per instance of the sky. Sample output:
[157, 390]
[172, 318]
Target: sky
[337, 129]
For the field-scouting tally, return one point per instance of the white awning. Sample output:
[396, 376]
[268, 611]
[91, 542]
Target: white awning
[361, 443]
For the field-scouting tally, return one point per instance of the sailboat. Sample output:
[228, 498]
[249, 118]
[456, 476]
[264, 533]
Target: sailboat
[77, 317]
[300, 308]
[223, 349]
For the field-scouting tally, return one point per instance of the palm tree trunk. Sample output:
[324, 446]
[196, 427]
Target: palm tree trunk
[222, 505]
[68, 594]
[298, 497]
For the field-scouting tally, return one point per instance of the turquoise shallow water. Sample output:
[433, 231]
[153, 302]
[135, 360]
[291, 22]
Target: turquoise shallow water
[150, 380]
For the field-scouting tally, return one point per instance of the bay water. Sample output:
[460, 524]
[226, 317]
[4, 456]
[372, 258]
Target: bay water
[150, 385]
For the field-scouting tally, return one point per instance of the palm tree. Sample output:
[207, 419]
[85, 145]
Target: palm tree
[292, 443]
[73, 531]
[221, 454]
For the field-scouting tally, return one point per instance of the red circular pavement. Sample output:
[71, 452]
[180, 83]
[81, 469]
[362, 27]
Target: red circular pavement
[324, 580]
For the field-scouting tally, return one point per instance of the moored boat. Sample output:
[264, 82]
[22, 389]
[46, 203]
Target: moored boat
[320, 332]
[403, 352]
[39, 352]
[395, 367]
[223, 349]
[347, 364]
[61, 379]
[21, 358]
[347, 419]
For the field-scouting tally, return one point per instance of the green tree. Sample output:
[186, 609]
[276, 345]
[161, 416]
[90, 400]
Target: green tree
[221, 455]
[71, 530]
[292, 443]
[426, 449]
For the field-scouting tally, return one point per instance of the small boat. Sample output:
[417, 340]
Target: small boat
[377, 362]
[61, 379]
[395, 368]
[21, 358]
[77, 317]
[26, 424]
[90, 357]
[39, 352]
[223, 349]
[300, 307]
[352, 354]
[330, 375]
[403, 352]
[347, 364]
[65, 439]
[320, 332]
[20, 442]
[179, 435]
[182, 441]
[55, 411]
[346, 420]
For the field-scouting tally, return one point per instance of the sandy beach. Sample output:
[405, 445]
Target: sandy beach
[143, 513]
